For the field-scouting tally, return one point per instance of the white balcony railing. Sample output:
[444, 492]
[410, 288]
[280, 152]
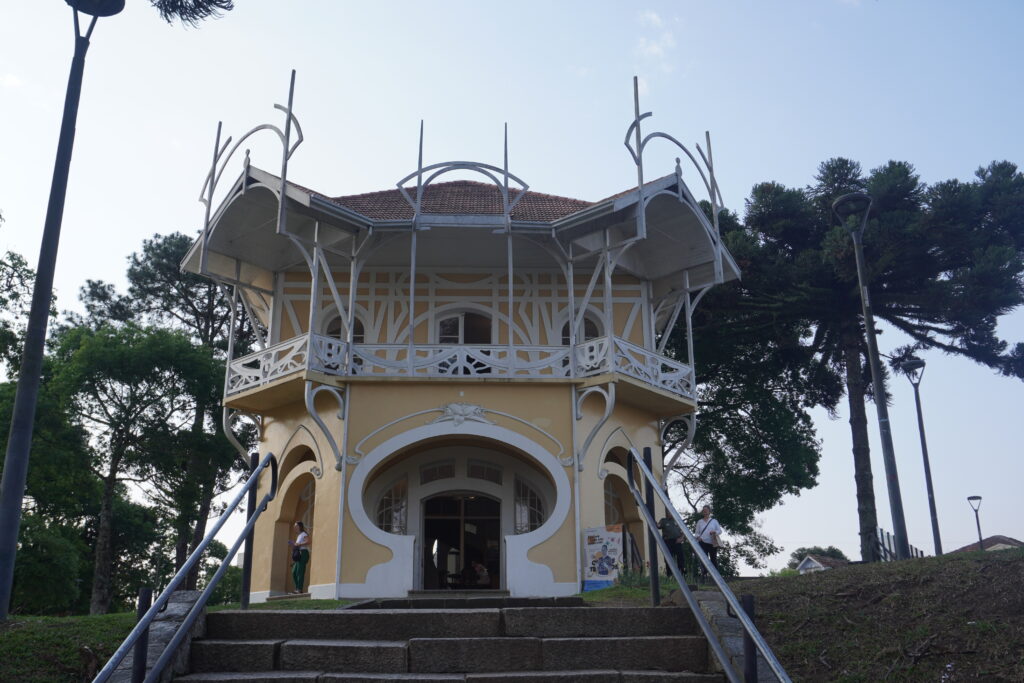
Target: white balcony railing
[329, 355]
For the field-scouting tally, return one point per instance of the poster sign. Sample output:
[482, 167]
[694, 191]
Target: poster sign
[603, 553]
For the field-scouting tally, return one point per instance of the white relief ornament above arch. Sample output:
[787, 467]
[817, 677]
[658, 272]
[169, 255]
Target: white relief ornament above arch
[459, 414]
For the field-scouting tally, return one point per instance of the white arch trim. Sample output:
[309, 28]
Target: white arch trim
[394, 578]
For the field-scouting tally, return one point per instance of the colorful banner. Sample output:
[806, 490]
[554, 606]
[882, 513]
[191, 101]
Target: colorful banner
[603, 552]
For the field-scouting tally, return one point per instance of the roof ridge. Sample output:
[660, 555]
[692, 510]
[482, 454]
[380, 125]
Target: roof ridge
[474, 183]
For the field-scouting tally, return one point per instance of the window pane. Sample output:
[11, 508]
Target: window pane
[334, 327]
[437, 470]
[448, 331]
[477, 329]
[358, 334]
[483, 470]
[529, 508]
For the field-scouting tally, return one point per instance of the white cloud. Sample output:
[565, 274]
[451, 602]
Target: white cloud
[656, 48]
[9, 81]
[641, 85]
[650, 18]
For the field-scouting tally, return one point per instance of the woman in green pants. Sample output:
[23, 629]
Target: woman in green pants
[300, 545]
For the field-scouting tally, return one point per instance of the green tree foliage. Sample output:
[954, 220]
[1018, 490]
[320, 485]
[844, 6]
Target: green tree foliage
[944, 263]
[125, 385]
[755, 440]
[797, 556]
[189, 464]
[191, 12]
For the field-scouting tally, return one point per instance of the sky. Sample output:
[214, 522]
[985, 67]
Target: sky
[781, 86]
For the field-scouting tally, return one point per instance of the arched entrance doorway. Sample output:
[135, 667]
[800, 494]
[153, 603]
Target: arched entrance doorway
[459, 501]
[461, 542]
[297, 505]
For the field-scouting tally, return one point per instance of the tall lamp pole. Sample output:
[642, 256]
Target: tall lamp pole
[12, 490]
[914, 369]
[975, 503]
[849, 208]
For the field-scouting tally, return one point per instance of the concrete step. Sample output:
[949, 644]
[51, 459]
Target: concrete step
[352, 624]
[289, 596]
[348, 656]
[583, 676]
[483, 655]
[568, 622]
[210, 655]
[464, 600]
[541, 622]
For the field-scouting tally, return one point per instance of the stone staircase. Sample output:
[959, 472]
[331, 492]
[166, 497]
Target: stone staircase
[524, 644]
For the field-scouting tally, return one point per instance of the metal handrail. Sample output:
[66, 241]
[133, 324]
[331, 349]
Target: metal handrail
[730, 597]
[143, 624]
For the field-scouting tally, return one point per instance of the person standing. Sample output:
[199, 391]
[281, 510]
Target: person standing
[673, 537]
[300, 555]
[709, 533]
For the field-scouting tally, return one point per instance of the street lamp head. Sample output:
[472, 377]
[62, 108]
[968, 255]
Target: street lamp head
[853, 205]
[97, 8]
[913, 368]
[975, 502]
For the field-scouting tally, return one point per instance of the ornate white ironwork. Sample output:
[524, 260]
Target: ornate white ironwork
[310, 396]
[267, 365]
[448, 360]
[655, 369]
[328, 354]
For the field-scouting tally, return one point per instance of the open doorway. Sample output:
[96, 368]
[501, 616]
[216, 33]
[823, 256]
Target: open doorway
[461, 542]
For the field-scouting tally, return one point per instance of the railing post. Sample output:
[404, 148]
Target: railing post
[250, 510]
[652, 542]
[141, 651]
[749, 651]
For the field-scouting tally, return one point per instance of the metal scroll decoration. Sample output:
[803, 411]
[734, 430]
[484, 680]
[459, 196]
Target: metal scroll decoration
[310, 396]
[222, 154]
[705, 168]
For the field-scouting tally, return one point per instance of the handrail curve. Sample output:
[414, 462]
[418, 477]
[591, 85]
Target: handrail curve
[143, 624]
[730, 597]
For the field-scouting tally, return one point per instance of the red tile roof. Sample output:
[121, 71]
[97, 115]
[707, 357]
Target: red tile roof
[831, 562]
[461, 197]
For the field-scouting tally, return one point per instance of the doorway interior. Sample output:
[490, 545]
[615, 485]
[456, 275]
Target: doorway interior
[461, 542]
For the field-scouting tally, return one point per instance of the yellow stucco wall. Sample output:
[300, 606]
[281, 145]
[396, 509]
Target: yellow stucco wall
[380, 410]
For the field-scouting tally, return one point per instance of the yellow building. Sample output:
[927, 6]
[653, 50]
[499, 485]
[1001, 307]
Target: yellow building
[453, 373]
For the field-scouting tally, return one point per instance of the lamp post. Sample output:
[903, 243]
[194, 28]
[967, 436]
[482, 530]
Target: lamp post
[914, 368]
[975, 503]
[849, 208]
[12, 490]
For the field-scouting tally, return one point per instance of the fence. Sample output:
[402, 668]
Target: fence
[885, 547]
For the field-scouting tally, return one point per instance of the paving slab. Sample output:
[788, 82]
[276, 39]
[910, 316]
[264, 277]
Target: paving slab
[662, 653]
[474, 655]
[348, 656]
[233, 655]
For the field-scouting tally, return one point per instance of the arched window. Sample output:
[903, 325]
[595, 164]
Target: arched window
[464, 328]
[529, 508]
[391, 510]
[590, 331]
[612, 504]
[334, 328]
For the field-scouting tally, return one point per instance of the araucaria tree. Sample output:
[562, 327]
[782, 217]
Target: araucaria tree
[944, 263]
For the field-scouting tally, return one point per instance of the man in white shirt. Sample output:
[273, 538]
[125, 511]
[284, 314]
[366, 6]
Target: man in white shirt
[709, 532]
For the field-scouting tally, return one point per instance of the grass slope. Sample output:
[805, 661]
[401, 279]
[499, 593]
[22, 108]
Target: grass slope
[950, 618]
[72, 649]
[58, 649]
